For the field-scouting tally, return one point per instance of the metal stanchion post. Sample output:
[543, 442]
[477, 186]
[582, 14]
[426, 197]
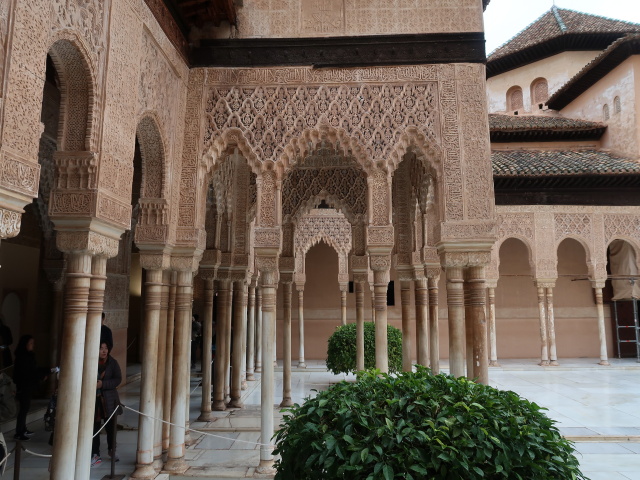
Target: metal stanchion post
[16, 464]
[114, 450]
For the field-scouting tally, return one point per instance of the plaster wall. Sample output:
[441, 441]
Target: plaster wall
[623, 135]
[331, 18]
[557, 69]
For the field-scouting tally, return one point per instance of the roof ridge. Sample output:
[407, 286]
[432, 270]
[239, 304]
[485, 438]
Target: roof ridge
[556, 13]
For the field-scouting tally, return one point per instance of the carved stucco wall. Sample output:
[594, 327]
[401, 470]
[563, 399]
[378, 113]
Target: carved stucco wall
[277, 116]
[543, 228]
[313, 18]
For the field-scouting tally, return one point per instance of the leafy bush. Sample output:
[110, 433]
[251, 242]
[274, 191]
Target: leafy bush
[341, 354]
[418, 426]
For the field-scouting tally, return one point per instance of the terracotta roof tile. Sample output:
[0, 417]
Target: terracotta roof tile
[539, 163]
[557, 22]
[513, 123]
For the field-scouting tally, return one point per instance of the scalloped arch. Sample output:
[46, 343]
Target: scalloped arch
[153, 148]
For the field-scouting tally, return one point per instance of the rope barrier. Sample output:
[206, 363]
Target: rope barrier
[36, 454]
[105, 423]
[199, 431]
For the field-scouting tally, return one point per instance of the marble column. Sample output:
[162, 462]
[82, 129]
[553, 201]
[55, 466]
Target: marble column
[359, 325]
[251, 332]
[71, 365]
[542, 317]
[238, 339]
[144, 454]
[207, 339]
[227, 344]
[286, 343]
[381, 284]
[56, 328]
[175, 457]
[220, 365]
[301, 361]
[493, 349]
[245, 324]
[259, 330]
[475, 284]
[168, 365]
[91, 352]
[551, 325]
[455, 305]
[602, 336]
[434, 327]
[468, 330]
[161, 364]
[373, 300]
[343, 304]
[268, 374]
[405, 301]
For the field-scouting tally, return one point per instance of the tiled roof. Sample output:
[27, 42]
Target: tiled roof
[540, 163]
[538, 122]
[600, 66]
[557, 22]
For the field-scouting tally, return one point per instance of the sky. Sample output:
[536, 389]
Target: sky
[505, 18]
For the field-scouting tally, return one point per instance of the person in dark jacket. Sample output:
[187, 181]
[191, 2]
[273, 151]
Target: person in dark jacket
[26, 375]
[106, 335]
[6, 339]
[107, 401]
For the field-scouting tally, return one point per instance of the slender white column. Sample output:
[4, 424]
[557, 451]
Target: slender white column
[551, 323]
[227, 342]
[175, 458]
[434, 327]
[455, 304]
[71, 366]
[381, 284]
[405, 302]
[207, 338]
[493, 349]
[268, 376]
[144, 454]
[259, 330]
[91, 351]
[168, 366]
[475, 282]
[286, 343]
[161, 364]
[604, 359]
[275, 343]
[238, 340]
[542, 316]
[359, 326]
[301, 361]
[468, 329]
[251, 333]
[220, 365]
[422, 319]
[343, 305]
[245, 324]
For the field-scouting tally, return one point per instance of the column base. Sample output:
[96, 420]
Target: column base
[157, 463]
[218, 406]
[302, 365]
[286, 402]
[236, 403]
[176, 466]
[188, 441]
[250, 377]
[243, 385]
[258, 369]
[144, 472]
[604, 363]
[494, 363]
[204, 417]
[265, 467]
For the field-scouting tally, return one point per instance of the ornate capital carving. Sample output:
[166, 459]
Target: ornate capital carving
[9, 223]
[287, 264]
[153, 221]
[186, 262]
[380, 263]
[359, 263]
[380, 236]
[268, 238]
[76, 170]
[155, 260]
[87, 241]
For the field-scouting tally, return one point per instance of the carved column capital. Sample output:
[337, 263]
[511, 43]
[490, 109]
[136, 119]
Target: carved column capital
[545, 282]
[10, 222]
[89, 242]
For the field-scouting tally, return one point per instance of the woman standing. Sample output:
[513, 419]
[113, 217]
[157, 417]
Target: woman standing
[26, 375]
[107, 401]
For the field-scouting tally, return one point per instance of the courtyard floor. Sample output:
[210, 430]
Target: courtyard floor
[596, 407]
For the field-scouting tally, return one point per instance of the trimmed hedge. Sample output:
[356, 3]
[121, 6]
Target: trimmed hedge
[341, 353]
[418, 426]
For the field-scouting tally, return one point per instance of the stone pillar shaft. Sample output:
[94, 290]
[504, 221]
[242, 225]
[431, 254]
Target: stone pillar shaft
[238, 339]
[476, 286]
[405, 301]
[542, 316]
[221, 345]
[455, 295]
[422, 318]
[259, 329]
[251, 333]
[493, 350]
[168, 366]
[359, 326]
[286, 343]
[161, 367]
[468, 330]
[175, 458]
[381, 284]
[207, 338]
[551, 323]
[144, 454]
[604, 359]
[268, 377]
[301, 361]
[91, 351]
[71, 366]
[343, 307]
[434, 327]
[228, 319]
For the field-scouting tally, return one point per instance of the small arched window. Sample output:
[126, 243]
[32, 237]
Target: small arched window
[539, 92]
[514, 99]
[605, 112]
[616, 106]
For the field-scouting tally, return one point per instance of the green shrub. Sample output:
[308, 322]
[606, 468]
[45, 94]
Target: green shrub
[341, 353]
[421, 426]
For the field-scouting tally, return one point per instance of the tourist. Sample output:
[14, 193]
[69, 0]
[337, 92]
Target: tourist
[106, 335]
